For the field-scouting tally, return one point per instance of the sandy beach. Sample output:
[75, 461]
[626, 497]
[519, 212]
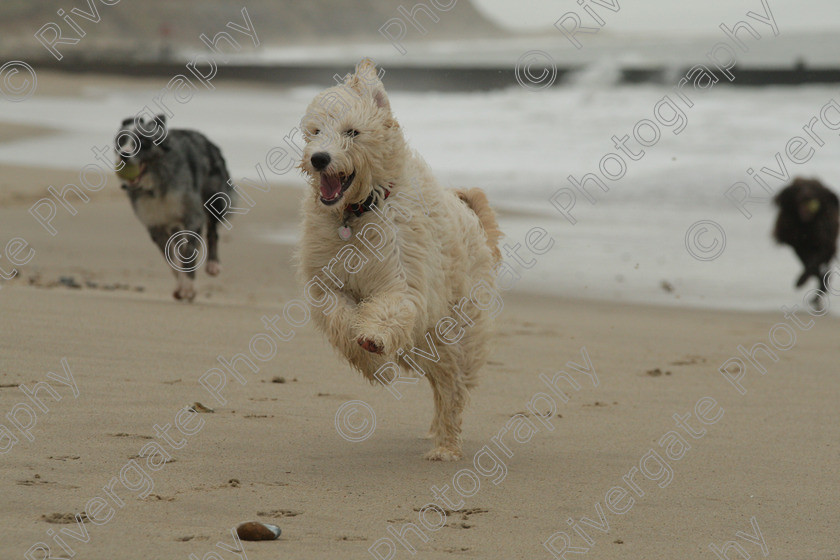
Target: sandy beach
[92, 318]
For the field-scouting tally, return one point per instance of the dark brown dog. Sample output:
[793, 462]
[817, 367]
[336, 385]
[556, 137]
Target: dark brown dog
[808, 222]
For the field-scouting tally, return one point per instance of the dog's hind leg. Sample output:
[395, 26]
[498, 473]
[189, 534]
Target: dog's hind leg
[450, 396]
[452, 379]
[820, 300]
[821, 274]
[217, 193]
[813, 267]
[213, 267]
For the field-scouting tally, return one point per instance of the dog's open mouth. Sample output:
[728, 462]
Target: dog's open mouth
[333, 186]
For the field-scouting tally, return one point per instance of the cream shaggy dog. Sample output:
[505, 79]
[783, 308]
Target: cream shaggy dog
[398, 270]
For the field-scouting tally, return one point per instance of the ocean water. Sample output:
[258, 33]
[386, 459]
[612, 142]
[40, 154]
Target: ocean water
[520, 146]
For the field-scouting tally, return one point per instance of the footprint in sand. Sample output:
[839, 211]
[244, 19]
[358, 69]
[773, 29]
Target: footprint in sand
[279, 513]
[64, 457]
[689, 360]
[165, 461]
[64, 518]
[464, 513]
[158, 498]
[36, 480]
[127, 435]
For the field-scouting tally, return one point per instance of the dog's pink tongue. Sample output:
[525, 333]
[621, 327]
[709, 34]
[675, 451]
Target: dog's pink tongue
[330, 186]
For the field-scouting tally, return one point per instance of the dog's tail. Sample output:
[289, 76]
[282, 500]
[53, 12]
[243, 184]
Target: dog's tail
[478, 203]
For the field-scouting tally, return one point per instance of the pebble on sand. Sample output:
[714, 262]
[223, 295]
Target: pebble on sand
[256, 531]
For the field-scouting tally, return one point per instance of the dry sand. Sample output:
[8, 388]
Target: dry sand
[272, 451]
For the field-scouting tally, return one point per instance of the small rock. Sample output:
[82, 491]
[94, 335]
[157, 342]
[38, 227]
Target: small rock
[279, 380]
[198, 407]
[256, 531]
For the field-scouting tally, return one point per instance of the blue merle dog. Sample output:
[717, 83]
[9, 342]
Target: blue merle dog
[172, 178]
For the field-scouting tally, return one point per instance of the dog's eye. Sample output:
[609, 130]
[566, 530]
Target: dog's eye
[351, 132]
[316, 132]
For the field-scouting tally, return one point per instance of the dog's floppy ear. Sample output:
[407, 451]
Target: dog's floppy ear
[366, 81]
[829, 197]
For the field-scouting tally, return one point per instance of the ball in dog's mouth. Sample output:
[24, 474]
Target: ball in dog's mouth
[130, 171]
[332, 187]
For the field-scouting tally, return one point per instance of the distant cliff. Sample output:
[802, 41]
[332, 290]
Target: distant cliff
[144, 29]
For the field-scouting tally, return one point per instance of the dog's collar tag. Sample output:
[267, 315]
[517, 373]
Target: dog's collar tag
[344, 233]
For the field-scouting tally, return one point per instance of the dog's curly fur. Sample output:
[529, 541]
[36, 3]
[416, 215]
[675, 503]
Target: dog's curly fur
[808, 222]
[394, 304]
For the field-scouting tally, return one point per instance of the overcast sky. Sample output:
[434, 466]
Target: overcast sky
[692, 16]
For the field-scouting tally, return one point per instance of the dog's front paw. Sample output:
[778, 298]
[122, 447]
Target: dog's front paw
[444, 454]
[213, 268]
[370, 345]
[386, 321]
[186, 293]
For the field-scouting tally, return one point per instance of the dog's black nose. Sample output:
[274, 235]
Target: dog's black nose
[320, 160]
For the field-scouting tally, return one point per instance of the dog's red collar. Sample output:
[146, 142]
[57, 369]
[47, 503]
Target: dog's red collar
[361, 207]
